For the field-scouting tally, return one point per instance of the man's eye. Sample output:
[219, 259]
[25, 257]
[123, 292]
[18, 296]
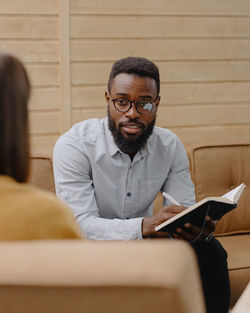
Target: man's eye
[122, 102]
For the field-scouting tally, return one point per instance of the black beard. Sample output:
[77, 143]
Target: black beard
[128, 145]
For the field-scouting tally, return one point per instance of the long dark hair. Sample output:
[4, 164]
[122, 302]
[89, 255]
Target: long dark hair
[14, 140]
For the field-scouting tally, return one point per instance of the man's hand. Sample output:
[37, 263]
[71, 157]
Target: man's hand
[149, 223]
[190, 232]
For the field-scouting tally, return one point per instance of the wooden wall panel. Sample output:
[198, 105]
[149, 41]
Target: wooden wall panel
[44, 122]
[32, 50]
[160, 49]
[28, 27]
[79, 115]
[159, 27]
[29, 7]
[88, 96]
[171, 72]
[205, 115]
[202, 50]
[204, 71]
[43, 145]
[98, 73]
[161, 7]
[44, 74]
[44, 99]
[30, 30]
[195, 93]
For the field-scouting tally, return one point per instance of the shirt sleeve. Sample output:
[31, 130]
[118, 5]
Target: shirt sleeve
[178, 182]
[74, 186]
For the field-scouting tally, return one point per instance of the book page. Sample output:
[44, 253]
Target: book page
[234, 194]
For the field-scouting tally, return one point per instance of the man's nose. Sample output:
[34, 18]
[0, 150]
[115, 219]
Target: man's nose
[132, 112]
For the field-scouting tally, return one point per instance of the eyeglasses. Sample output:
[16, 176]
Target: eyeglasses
[124, 105]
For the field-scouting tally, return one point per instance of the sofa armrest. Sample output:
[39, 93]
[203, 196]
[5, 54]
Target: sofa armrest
[76, 276]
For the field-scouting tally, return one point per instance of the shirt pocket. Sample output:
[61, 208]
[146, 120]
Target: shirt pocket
[148, 190]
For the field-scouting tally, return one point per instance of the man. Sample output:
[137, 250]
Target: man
[109, 172]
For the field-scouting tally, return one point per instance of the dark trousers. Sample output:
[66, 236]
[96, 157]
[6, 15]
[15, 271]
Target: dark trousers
[212, 260]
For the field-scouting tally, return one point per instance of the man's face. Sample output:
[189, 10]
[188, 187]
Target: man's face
[131, 129]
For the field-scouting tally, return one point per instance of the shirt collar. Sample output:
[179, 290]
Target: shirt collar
[113, 148]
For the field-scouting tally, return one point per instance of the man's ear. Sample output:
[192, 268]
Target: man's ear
[158, 102]
[107, 96]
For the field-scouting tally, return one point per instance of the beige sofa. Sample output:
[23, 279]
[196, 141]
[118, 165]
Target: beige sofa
[215, 169]
[85, 276]
[77, 276]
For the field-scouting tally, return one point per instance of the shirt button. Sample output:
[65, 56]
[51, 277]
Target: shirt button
[129, 194]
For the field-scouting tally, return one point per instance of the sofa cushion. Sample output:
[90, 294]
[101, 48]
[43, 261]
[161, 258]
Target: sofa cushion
[215, 170]
[237, 247]
[41, 173]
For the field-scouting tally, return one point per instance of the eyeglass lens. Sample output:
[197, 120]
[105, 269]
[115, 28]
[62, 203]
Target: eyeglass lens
[123, 105]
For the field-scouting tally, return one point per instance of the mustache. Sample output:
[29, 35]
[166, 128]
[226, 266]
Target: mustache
[131, 122]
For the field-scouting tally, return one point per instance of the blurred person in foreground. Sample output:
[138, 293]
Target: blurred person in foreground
[110, 170]
[26, 212]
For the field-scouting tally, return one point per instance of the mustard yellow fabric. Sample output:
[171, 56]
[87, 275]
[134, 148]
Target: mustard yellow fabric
[28, 213]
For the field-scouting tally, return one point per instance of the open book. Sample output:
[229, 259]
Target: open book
[215, 207]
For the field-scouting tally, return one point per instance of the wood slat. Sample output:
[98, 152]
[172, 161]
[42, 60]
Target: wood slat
[88, 96]
[44, 74]
[44, 99]
[98, 73]
[29, 7]
[159, 27]
[166, 7]
[185, 94]
[32, 51]
[205, 93]
[28, 27]
[204, 71]
[203, 115]
[90, 73]
[79, 115]
[42, 145]
[44, 123]
[184, 115]
[214, 134]
[156, 50]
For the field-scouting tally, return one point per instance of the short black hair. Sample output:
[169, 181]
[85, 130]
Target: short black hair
[135, 65]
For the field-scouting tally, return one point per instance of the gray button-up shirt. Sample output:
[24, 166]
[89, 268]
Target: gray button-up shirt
[110, 194]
